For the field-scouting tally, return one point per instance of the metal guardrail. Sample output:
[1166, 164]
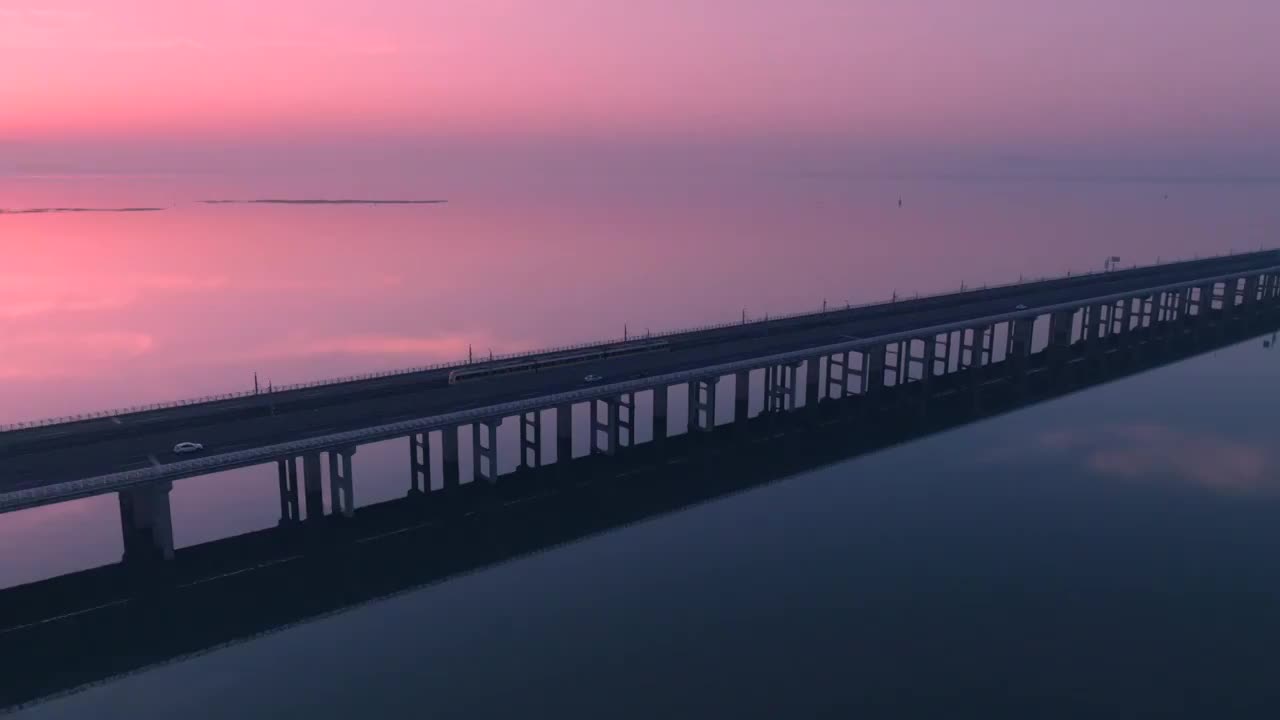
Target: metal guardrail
[20, 499]
[119, 412]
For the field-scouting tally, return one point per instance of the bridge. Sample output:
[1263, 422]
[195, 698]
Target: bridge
[793, 364]
[88, 626]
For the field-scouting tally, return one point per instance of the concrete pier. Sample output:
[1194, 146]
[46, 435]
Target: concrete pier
[916, 359]
[290, 502]
[626, 420]
[781, 389]
[564, 432]
[975, 346]
[1095, 324]
[837, 376]
[873, 375]
[702, 405]
[312, 486]
[1148, 311]
[1061, 328]
[419, 463]
[660, 394]
[741, 395]
[604, 426]
[450, 471]
[1020, 344]
[811, 379]
[484, 450]
[940, 355]
[894, 360]
[341, 488]
[146, 523]
[1250, 292]
[530, 440]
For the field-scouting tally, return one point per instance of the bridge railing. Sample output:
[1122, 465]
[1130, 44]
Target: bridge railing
[150, 407]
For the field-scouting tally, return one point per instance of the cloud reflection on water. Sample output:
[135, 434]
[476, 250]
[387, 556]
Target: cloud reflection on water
[1151, 451]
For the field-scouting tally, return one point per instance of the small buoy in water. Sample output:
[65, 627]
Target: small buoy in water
[899, 202]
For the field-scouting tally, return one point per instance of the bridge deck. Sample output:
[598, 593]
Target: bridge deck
[43, 456]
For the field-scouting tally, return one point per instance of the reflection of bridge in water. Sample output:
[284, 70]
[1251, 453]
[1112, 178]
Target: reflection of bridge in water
[87, 626]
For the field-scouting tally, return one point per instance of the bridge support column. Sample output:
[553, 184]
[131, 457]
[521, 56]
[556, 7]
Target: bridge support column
[484, 450]
[791, 374]
[609, 426]
[873, 362]
[1170, 311]
[1147, 314]
[1120, 315]
[1208, 293]
[1095, 324]
[702, 405]
[1174, 306]
[313, 486]
[419, 463]
[1270, 288]
[855, 378]
[1020, 349]
[531, 440]
[290, 508]
[660, 394]
[1250, 291]
[626, 420]
[341, 488]
[1020, 343]
[781, 389]
[911, 361]
[979, 350]
[837, 376]
[564, 433]
[811, 372]
[449, 469]
[894, 361]
[146, 523]
[940, 353]
[1178, 304]
[741, 395]
[1061, 328]
[976, 345]
[1119, 320]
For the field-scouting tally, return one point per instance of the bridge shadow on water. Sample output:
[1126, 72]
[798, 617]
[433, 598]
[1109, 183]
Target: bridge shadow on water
[67, 632]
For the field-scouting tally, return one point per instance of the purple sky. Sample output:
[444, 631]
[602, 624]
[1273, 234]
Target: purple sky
[1143, 85]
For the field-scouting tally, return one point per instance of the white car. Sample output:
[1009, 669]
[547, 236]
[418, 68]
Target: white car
[592, 378]
[1021, 307]
[187, 447]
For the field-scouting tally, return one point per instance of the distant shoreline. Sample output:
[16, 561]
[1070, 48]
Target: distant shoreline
[278, 201]
[41, 211]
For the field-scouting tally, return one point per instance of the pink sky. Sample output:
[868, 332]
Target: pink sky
[1168, 73]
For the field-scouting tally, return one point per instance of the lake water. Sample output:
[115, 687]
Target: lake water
[1109, 552]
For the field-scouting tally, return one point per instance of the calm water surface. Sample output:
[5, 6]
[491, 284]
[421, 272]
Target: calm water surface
[1114, 550]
